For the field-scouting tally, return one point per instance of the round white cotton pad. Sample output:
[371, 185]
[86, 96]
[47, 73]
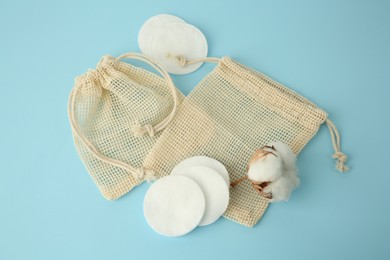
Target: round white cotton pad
[204, 161]
[178, 39]
[151, 26]
[174, 205]
[214, 189]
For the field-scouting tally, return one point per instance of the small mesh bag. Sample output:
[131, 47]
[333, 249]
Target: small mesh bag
[117, 112]
[232, 112]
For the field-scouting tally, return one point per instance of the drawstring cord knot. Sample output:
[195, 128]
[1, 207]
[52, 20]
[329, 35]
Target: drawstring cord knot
[139, 130]
[180, 59]
[341, 160]
[148, 175]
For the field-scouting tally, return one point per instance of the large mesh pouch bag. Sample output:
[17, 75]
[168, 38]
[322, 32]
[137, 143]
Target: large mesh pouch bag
[117, 112]
[232, 112]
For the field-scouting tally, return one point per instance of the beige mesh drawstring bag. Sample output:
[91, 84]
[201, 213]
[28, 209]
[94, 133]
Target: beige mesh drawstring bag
[117, 113]
[233, 111]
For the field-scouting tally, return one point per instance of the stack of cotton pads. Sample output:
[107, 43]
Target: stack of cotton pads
[167, 39]
[195, 194]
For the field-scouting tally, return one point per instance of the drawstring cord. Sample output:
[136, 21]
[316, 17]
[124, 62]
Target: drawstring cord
[338, 155]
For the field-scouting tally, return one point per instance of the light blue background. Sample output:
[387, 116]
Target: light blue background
[336, 53]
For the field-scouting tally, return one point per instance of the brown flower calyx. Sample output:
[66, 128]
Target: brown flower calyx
[259, 187]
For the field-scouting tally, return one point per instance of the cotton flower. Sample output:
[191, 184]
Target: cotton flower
[272, 171]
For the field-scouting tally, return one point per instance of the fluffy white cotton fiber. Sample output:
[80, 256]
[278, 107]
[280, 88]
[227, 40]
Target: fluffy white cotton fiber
[275, 166]
[288, 157]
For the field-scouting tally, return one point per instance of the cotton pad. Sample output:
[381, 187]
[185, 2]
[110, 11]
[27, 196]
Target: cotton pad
[175, 40]
[214, 188]
[174, 205]
[204, 161]
[151, 26]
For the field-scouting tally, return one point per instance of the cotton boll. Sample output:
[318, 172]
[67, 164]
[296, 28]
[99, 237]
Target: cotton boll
[288, 157]
[264, 168]
[272, 170]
